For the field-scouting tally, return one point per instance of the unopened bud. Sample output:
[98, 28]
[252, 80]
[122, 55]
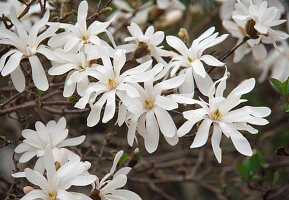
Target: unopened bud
[155, 13]
[183, 34]
[27, 189]
[228, 74]
[141, 50]
[195, 9]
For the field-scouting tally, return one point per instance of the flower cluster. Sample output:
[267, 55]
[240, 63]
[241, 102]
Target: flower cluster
[139, 82]
[58, 168]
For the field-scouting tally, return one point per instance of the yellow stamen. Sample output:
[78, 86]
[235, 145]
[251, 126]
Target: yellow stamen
[216, 114]
[149, 104]
[191, 60]
[111, 83]
[52, 196]
[57, 165]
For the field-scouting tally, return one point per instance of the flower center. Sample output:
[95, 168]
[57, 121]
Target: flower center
[216, 114]
[149, 104]
[111, 83]
[52, 196]
[85, 39]
[191, 60]
[28, 51]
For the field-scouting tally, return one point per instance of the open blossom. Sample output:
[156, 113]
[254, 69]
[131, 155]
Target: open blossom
[255, 21]
[145, 45]
[58, 180]
[27, 45]
[53, 134]
[218, 112]
[29, 18]
[227, 6]
[75, 36]
[79, 65]
[276, 62]
[112, 83]
[152, 114]
[190, 60]
[105, 189]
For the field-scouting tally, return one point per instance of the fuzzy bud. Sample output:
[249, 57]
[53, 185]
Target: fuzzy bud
[183, 34]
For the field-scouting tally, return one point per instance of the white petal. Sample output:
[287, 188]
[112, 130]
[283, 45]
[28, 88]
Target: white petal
[165, 121]
[198, 68]
[202, 134]
[203, 84]
[241, 143]
[178, 44]
[166, 103]
[36, 178]
[38, 73]
[72, 141]
[109, 110]
[35, 194]
[18, 79]
[151, 137]
[211, 60]
[216, 139]
[27, 156]
[12, 63]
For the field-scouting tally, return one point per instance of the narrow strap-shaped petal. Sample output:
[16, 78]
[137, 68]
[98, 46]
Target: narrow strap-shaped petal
[202, 134]
[38, 73]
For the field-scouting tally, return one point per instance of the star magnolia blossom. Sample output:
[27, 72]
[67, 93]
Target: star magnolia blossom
[189, 62]
[255, 21]
[28, 19]
[58, 180]
[79, 65]
[75, 36]
[111, 84]
[27, 46]
[35, 142]
[145, 45]
[152, 114]
[105, 189]
[277, 60]
[227, 6]
[218, 112]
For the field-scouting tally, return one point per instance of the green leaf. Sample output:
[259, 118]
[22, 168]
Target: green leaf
[72, 99]
[123, 158]
[276, 176]
[255, 164]
[281, 87]
[40, 93]
[243, 171]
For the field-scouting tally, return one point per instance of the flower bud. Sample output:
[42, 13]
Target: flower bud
[183, 34]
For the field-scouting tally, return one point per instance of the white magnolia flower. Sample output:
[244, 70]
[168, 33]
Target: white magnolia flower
[58, 180]
[152, 114]
[111, 84]
[124, 12]
[53, 134]
[75, 36]
[29, 18]
[276, 61]
[27, 46]
[255, 21]
[190, 60]
[105, 189]
[79, 65]
[227, 6]
[145, 45]
[218, 112]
